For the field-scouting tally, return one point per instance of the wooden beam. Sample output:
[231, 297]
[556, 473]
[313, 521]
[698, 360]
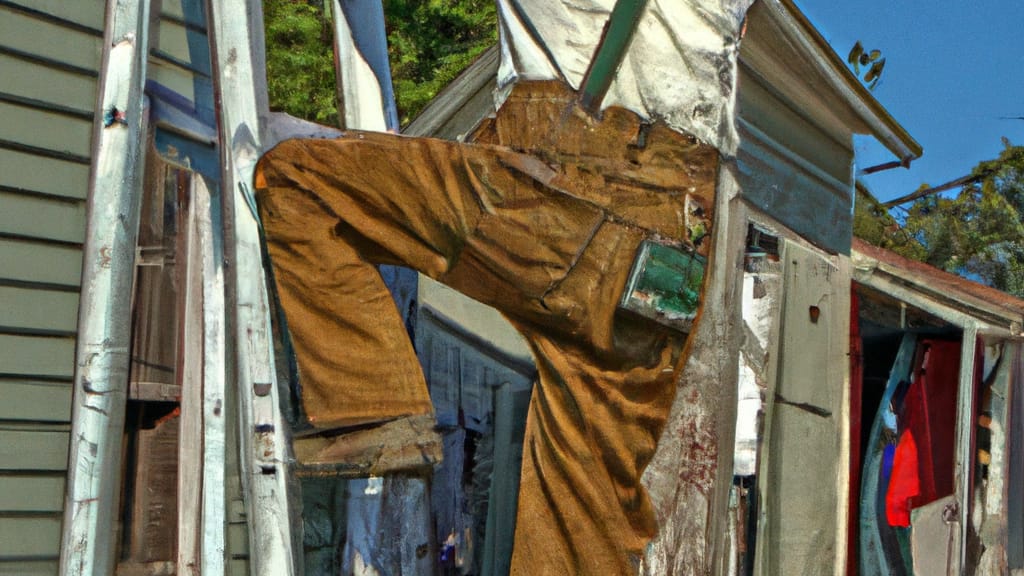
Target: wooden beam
[213, 520]
[965, 425]
[104, 327]
[366, 99]
[962, 181]
[237, 40]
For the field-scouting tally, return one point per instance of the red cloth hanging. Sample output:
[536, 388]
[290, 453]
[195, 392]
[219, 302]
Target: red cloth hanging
[904, 484]
[929, 411]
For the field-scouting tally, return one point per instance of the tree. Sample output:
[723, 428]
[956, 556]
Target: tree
[429, 43]
[300, 60]
[979, 233]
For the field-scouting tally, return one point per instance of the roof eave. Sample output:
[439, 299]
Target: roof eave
[878, 120]
[956, 300]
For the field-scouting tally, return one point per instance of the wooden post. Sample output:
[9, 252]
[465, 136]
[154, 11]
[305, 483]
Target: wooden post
[366, 99]
[212, 401]
[198, 236]
[965, 423]
[104, 325]
[237, 42]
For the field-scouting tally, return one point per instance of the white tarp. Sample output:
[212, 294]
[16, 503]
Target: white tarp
[680, 66]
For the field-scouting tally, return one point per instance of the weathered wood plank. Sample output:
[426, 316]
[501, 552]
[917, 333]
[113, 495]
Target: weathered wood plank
[28, 568]
[31, 494]
[154, 512]
[800, 472]
[366, 98]
[213, 545]
[31, 309]
[26, 171]
[37, 355]
[28, 80]
[36, 262]
[46, 130]
[85, 12]
[25, 449]
[43, 218]
[237, 41]
[404, 445]
[966, 422]
[35, 401]
[457, 110]
[49, 40]
[190, 453]
[102, 355]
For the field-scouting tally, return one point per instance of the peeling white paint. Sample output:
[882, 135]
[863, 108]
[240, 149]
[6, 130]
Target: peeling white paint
[363, 103]
[236, 38]
[680, 66]
[104, 324]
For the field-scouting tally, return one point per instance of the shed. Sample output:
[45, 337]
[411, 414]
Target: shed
[786, 272]
[935, 344]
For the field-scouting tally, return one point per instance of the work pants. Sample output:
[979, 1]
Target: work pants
[510, 231]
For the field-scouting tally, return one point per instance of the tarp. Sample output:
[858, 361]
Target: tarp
[680, 65]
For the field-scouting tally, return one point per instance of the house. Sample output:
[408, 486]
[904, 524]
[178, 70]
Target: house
[110, 120]
[782, 296]
[164, 345]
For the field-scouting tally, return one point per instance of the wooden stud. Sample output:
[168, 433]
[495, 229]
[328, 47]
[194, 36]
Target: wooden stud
[101, 360]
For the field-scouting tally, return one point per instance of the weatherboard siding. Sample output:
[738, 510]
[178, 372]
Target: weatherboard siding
[50, 54]
[792, 168]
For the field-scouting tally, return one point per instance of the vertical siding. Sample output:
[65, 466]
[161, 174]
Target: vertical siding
[801, 465]
[50, 52]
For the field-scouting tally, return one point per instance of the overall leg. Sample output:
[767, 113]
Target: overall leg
[459, 213]
[328, 209]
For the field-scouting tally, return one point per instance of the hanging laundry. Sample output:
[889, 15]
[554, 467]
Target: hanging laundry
[904, 482]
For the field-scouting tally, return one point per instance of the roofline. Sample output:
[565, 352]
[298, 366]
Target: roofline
[883, 126]
[955, 299]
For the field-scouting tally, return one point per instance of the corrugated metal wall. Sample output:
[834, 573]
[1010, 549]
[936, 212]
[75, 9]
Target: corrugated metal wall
[792, 168]
[50, 52]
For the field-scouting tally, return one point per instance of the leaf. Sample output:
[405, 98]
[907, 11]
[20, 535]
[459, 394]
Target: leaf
[853, 59]
[875, 73]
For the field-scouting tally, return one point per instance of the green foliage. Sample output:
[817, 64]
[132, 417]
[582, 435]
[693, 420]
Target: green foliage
[300, 60]
[978, 234]
[429, 43]
[873, 223]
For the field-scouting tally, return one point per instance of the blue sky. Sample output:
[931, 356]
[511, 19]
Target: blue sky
[952, 69]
